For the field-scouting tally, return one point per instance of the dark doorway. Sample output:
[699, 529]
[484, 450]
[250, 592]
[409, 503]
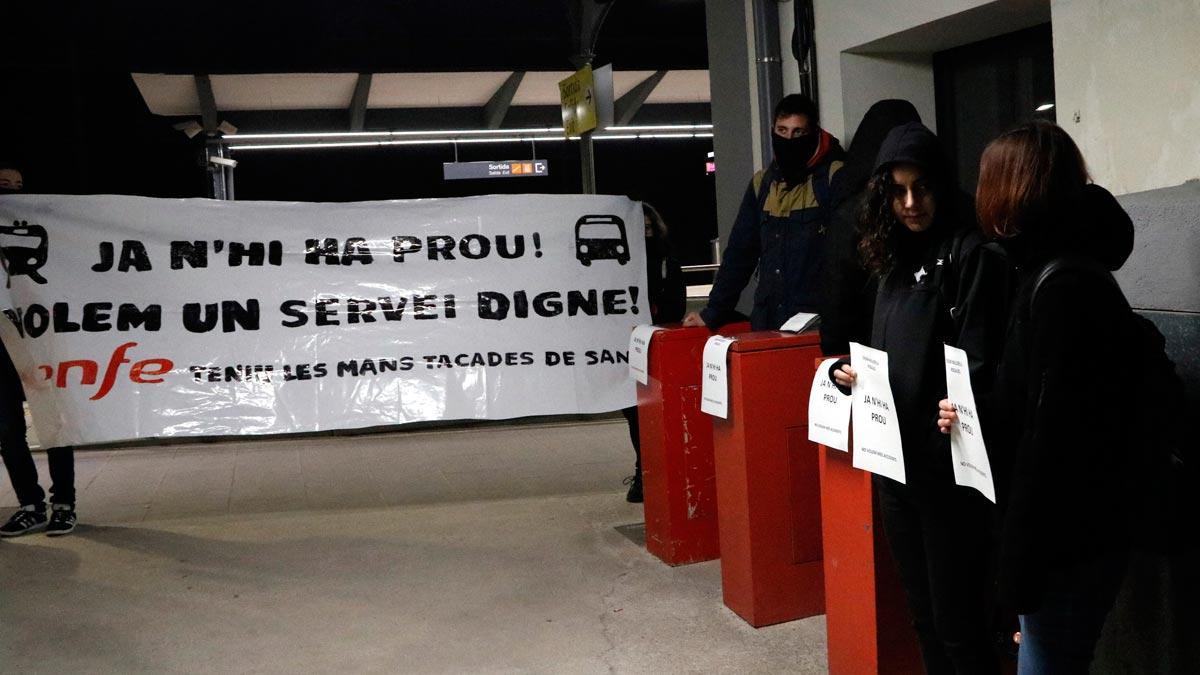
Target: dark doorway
[985, 88]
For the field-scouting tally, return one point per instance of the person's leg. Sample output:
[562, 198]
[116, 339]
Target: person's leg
[62, 491]
[957, 544]
[62, 475]
[903, 527]
[635, 482]
[14, 449]
[635, 438]
[1060, 637]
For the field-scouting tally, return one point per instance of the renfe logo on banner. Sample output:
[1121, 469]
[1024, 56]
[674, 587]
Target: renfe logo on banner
[134, 318]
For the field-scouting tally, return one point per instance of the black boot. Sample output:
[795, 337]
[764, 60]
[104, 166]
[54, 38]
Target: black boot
[634, 496]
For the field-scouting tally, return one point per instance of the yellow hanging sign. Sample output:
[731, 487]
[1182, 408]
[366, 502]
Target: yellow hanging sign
[577, 94]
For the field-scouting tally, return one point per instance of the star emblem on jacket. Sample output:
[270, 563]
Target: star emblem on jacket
[921, 274]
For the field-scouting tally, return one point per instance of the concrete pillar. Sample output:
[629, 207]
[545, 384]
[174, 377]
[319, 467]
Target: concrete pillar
[734, 96]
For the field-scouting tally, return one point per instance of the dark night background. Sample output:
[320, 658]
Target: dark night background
[73, 120]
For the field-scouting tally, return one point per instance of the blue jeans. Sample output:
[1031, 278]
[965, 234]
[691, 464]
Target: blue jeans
[1060, 637]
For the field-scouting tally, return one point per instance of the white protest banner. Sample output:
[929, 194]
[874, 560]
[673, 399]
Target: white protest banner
[639, 352]
[138, 318]
[971, 465]
[877, 445]
[828, 411]
[714, 387]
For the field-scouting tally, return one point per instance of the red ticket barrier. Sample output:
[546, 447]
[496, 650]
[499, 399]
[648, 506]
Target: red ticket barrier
[678, 479]
[768, 490]
[866, 615]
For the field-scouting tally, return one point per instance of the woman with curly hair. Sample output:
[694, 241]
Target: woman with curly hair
[916, 234]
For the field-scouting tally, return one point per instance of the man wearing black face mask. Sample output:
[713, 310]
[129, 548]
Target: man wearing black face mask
[780, 227]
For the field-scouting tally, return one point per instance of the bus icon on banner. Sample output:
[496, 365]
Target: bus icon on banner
[601, 238]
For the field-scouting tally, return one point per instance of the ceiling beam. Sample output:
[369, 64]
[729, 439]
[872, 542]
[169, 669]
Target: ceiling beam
[627, 106]
[208, 104]
[497, 106]
[358, 102]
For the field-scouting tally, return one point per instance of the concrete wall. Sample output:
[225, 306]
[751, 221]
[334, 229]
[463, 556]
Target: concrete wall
[1128, 71]
[1163, 273]
[873, 49]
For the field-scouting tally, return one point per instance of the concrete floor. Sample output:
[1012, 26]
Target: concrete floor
[485, 550]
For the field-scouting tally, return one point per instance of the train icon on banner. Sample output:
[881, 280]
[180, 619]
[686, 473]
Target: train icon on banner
[24, 248]
[601, 237]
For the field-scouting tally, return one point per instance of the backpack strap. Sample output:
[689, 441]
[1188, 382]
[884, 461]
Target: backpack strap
[1062, 264]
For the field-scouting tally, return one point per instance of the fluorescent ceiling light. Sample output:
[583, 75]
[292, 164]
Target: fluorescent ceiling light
[389, 134]
[662, 127]
[361, 139]
[454, 141]
[443, 133]
[1044, 106]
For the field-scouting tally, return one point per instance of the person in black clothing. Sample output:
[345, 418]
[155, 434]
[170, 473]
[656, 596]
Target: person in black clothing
[667, 296]
[780, 227]
[849, 287]
[917, 235]
[14, 448]
[1058, 421]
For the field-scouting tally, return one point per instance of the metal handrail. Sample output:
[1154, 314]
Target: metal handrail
[701, 268]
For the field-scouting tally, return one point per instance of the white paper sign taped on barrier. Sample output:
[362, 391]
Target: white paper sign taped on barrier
[828, 411]
[639, 352]
[877, 444]
[714, 389]
[139, 318]
[971, 465]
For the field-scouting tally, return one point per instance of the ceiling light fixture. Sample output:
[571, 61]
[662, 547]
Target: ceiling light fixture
[365, 139]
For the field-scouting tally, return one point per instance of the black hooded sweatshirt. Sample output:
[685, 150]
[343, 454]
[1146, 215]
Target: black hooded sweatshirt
[1056, 429]
[849, 298]
[923, 301]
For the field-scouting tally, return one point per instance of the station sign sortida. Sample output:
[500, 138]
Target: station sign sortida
[517, 168]
[578, 96]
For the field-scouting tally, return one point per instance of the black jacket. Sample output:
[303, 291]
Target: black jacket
[918, 308]
[1056, 427]
[849, 298]
[664, 283]
[780, 233]
[928, 298]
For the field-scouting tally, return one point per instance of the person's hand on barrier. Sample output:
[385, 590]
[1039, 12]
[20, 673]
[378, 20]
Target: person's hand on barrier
[693, 320]
[845, 376]
[947, 415]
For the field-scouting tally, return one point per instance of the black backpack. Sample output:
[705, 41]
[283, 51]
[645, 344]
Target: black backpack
[1165, 514]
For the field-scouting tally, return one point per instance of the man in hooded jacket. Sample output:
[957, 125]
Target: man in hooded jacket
[780, 227]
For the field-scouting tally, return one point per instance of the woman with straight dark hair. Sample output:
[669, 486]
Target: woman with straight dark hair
[916, 234]
[1057, 424]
